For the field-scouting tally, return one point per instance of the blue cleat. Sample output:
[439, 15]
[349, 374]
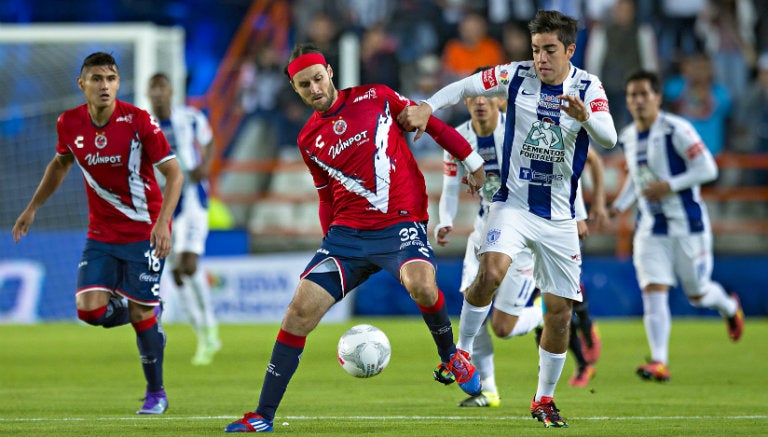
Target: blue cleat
[251, 422]
[154, 403]
[465, 372]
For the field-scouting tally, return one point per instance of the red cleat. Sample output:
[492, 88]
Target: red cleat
[592, 347]
[582, 376]
[736, 321]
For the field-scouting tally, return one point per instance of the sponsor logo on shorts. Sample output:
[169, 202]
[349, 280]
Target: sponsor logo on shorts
[149, 277]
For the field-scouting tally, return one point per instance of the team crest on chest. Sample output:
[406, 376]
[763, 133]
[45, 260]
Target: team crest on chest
[339, 126]
[100, 141]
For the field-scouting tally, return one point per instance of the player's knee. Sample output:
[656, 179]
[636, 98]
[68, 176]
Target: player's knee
[189, 269]
[501, 329]
[696, 301]
[93, 317]
[423, 295]
[488, 280]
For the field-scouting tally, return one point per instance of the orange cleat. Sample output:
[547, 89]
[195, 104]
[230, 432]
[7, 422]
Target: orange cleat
[654, 370]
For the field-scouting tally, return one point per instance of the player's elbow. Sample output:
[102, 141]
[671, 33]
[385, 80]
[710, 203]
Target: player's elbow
[710, 174]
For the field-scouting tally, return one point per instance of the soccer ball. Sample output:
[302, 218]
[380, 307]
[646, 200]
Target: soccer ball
[363, 351]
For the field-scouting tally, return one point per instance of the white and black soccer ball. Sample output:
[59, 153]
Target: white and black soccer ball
[364, 351]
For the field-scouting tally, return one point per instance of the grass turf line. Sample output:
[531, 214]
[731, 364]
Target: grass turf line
[68, 379]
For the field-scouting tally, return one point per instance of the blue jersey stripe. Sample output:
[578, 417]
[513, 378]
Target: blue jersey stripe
[578, 164]
[692, 208]
[509, 132]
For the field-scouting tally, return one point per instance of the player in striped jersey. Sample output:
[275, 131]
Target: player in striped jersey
[667, 163]
[191, 138]
[554, 109]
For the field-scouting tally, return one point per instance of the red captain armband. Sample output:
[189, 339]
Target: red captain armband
[695, 150]
[450, 168]
[599, 105]
[489, 78]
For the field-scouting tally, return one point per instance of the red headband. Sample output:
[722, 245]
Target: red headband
[305, 61]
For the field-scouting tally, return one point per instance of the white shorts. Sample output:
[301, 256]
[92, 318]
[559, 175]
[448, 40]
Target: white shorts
[554, 244]
[516, 287]
[661, 259]
[190, 225]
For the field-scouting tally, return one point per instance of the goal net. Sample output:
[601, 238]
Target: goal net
[37, 83]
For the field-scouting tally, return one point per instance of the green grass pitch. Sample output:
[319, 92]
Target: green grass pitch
[70, 379]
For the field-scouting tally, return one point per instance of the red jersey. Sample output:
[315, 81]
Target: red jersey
[359, 151]
[117, 161]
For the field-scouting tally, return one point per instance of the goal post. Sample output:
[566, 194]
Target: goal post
[152, 48]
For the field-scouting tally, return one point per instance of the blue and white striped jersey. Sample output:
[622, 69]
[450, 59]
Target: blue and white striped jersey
[545, 147]
[671, 150]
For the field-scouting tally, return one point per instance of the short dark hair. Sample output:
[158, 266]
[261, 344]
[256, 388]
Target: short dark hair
[99, 59]
[160, 75]
[641, 75]
[298, 50]
[554, 22]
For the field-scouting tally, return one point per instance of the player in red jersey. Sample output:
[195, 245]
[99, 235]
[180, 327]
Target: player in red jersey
[373, 212]
[117, 146]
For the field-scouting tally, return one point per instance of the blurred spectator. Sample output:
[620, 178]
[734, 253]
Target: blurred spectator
[414, 26]
[260, 79]
[727, 30]
[378, 58]
[752, 122]
[453, 11]
[305, 12]
[361, 15]
[473, 48]
[696, 96]
[290, 117]
[676, 38]
[428, 81]
[516, 42]
[503, 12]
[616, 48]
[323, 33]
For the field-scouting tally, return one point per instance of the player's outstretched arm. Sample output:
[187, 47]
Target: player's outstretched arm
[55, 172]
